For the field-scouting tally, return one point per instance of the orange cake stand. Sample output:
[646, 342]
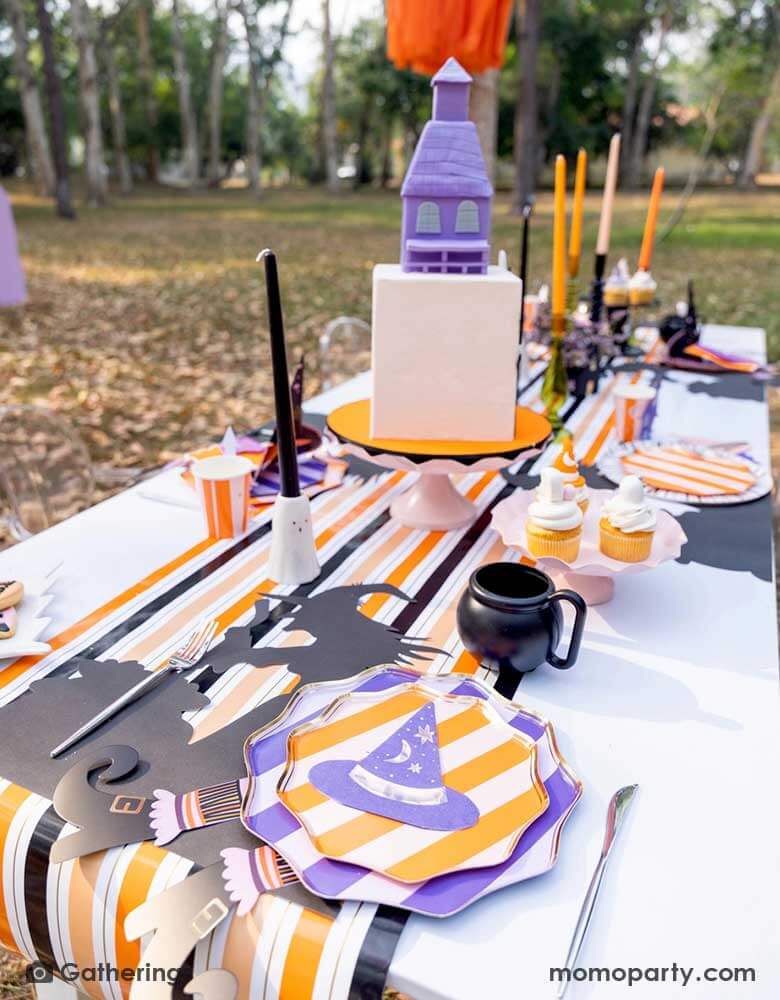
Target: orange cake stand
[433, 502]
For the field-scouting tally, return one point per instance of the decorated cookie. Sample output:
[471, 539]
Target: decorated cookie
[7, 623]
[11, 592]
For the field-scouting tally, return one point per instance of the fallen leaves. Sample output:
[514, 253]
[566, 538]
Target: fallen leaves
[146, 320]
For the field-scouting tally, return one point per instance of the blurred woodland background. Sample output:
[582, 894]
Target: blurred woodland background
[151, 147]
[209, 92]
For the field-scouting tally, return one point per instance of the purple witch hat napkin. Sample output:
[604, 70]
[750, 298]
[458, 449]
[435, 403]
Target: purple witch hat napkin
[401, 779]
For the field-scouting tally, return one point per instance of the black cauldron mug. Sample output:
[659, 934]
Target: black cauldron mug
[510, 615]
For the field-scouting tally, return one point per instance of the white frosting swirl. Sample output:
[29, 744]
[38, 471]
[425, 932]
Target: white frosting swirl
[643, 280]
[551, 510]
[618, 276]
[627, 509]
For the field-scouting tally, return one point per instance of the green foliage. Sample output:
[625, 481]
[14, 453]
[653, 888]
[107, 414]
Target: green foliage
[742, 53]
[583, 66]
[374, 98]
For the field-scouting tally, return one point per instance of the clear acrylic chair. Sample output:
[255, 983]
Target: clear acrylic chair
[345, 350]
[45, 470]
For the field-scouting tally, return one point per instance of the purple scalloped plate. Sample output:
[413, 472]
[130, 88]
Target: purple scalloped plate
[265, 755]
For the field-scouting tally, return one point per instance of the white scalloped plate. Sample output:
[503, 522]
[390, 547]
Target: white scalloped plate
[29, 615]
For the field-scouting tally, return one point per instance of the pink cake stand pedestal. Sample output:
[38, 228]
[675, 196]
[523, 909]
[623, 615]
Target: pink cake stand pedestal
[592, 574]
[433, 501]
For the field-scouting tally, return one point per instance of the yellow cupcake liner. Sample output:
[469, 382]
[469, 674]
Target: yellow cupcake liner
[615, 298]
[641, 296]
[625, 546]
[563, 545]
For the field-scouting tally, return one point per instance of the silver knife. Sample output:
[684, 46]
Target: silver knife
[616, 812]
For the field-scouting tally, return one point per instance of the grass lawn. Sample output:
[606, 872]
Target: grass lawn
[146, 319]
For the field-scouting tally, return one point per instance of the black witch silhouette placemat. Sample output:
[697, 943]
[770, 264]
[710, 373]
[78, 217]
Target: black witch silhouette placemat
[345, 641]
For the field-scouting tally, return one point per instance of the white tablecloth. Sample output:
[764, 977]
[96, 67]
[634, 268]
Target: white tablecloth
[676, 689]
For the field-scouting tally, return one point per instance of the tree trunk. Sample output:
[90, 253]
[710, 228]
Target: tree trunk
[35, 128]
[526, 109]
[56, 112]
[363, 171]
[118, 131]
[483, 111]
[94, 161]
[146, 72]
[645, 110]
[260, 71]
[754, 154]
[253, 102]
[216, 82]
[711, 118]
[189, 125]
[328, 110]
[387, 153]
[629, 101]
[550, 115]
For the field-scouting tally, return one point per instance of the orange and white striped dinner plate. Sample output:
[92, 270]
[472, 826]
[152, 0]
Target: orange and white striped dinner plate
[680, 469]
[481, 756]
[683, 471]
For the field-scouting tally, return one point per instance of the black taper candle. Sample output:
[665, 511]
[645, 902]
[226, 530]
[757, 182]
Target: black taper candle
[691, 303]
[285, 427]
[528, 207]
[597, 288]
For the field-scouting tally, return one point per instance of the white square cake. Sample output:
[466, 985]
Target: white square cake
[445, 352]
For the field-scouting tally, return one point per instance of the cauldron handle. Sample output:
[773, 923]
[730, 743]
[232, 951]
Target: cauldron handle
[580, 611]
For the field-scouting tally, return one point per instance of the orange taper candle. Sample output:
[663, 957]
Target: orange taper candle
[646, 253]
[559, 241]
[575, 237]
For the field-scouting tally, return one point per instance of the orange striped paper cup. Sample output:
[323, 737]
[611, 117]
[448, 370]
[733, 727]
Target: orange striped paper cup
[631, 401]
[222, 483]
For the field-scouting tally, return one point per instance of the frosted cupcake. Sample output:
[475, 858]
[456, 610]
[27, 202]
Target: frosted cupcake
[627, 523]
[566, 464]
[616, 290]
[554, 523]
[641, 289]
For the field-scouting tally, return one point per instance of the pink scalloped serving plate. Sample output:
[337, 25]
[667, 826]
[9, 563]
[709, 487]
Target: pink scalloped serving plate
[509, 517]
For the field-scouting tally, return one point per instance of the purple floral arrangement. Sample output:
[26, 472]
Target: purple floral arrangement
[586, 346]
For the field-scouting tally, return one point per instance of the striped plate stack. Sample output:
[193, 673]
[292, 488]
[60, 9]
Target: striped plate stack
[503, 758]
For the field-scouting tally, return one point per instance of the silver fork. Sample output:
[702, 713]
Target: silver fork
[186, 656]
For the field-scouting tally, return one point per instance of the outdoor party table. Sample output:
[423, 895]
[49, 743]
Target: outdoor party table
[676, 689]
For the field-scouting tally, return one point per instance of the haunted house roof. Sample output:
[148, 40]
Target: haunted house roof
[451, 72]
[447, 163]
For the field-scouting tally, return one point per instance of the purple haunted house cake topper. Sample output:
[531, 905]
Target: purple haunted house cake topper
[446, 192]
[401, 779]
